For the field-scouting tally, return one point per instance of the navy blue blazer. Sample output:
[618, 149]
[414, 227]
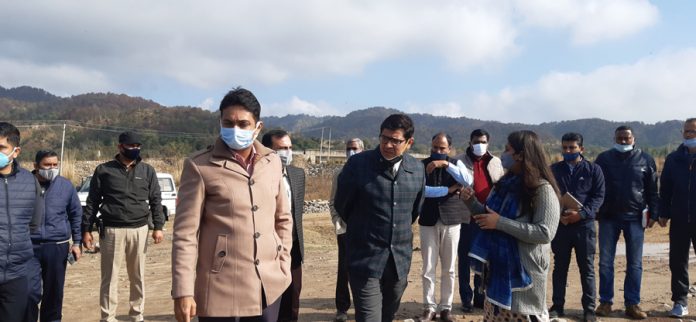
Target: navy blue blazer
[379, 209]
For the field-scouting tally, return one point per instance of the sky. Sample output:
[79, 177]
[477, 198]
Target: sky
[527, 61]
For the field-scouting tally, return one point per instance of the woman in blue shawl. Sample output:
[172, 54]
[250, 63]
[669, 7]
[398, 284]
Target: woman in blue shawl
[519, 220]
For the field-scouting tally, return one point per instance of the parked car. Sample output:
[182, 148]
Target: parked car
[167, 186]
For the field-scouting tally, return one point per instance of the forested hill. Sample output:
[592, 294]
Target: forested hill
[95, 119]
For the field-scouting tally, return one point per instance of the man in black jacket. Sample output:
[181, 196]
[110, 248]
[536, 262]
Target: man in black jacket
[125, 192]
[678, 203]
[379, 195]
[630, 179]
[18, 195]
[279, 140]
[584, 181]
[440, 221]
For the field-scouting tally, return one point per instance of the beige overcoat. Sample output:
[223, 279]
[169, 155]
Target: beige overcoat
[232, 233]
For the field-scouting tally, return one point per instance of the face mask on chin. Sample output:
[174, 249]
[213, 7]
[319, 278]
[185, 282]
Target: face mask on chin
[690, 143]
[623, 148]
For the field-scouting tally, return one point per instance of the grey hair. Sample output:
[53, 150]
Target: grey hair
[358, 140]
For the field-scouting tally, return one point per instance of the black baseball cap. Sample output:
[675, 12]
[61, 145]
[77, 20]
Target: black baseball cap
[129, 138]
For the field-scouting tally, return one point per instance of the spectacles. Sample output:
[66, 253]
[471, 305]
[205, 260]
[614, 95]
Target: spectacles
[690, 132]
[352, 148]
[385, 139]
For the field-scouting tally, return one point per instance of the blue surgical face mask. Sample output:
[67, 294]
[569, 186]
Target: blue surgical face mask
[236, 138]
[690, 143]
[350, 153]
[5, 159]
[507, 160]
[438, 156]
[570, 157]
[623, 147]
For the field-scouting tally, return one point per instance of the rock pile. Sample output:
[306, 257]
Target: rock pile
[315, 206]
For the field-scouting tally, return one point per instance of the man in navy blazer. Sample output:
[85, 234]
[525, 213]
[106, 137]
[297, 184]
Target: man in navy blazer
[379, 196]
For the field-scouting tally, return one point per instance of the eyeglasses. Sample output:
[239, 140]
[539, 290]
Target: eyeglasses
[690, 132]
[352, 148]
[385, 139]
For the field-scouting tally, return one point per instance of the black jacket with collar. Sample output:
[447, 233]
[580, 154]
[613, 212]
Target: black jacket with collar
[678, 187]
[630, 180]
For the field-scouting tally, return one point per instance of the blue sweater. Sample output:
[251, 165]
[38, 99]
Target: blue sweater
[62, 213]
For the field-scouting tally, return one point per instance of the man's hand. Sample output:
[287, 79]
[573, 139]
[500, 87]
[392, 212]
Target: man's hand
[466, 193]
[454, 189]
[77, 253]
[184, 308]
[570, 217]
[436, 164]
[87, 240]
[663, 221]
[157, 236]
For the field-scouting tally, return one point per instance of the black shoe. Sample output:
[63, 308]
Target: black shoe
[467, 308]
[478, 304]
[589, 316]
[556, 312]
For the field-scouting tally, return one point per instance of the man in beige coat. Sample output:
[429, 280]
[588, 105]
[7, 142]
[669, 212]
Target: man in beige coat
[232, 231]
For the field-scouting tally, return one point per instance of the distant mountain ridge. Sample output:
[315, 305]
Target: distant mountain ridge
[198, 127]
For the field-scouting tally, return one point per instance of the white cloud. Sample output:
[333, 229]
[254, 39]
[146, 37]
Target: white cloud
[655, 88]
[62, 79]
[590, 21]
[296, 105]
[263, 42]
[209, 104]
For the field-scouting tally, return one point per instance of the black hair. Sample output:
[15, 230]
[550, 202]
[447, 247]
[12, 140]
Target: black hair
[572, 137]
[244, 98]
[398, 121]
[691, 119]
[267, 139]
[444, 135]
[534, 164]
[623, 128]
[479, 132]
[42, 154]
[10, 132]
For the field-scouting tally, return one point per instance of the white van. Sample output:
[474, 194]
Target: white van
[167, 186]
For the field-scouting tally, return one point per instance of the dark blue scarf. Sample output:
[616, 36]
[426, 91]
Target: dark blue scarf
[497, 251]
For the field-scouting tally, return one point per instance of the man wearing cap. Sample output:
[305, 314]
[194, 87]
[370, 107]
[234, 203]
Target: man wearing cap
[126, 193]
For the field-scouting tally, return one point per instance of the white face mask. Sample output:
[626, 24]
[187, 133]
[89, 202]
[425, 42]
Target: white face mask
[49, 174]
[285, 156]
[623, 147]
[479, 149]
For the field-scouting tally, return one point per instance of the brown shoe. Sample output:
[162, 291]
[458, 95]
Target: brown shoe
[426, 316]
[604, 309]
[445, 316]
[634, 312]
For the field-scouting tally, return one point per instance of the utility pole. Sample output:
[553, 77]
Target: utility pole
[328, 159]
[62, 146]
[321, 144]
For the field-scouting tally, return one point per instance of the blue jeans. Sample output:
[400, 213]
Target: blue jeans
[634, 233]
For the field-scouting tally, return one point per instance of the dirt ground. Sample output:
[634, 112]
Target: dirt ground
[82, 283]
